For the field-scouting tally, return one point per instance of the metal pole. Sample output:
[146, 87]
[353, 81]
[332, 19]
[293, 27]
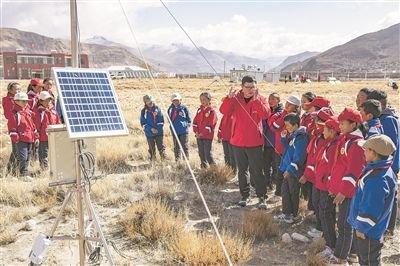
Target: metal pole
[74, 34]
[79, 196]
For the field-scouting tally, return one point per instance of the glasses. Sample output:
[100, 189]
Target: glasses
[249, 87]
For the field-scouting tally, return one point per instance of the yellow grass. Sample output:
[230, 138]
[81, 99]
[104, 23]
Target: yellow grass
[216, 174]
[318, 245]
[259, 224]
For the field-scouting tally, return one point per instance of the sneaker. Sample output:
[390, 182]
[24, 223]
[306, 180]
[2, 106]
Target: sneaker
[279, 217]
[261, 203]
[297, 218]
[326, 253]
[27, 178]
[314, 233]
[243, 202]
[352, 258]
[333, 260]
[288, 219]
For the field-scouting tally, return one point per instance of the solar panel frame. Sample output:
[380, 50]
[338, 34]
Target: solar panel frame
[105, 96]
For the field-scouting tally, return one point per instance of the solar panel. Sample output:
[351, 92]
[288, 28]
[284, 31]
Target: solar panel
[89, 103]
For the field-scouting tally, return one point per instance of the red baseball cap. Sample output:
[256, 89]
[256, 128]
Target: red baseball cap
[36, 82]
[333, 123]
[325, 113]
[351, 115]
[318, 102]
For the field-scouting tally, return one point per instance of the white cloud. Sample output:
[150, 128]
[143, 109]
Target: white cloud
[238, 34]
[390, 19]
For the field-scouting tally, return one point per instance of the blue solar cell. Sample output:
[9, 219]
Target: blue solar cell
[89, 103]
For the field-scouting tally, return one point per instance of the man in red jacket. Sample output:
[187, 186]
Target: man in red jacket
[22, 131]
[203, 126]
[248, 109]
[8, 106]
[348, 165]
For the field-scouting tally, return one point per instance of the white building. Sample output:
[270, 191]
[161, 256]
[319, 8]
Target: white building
[120, 72]
[236, 75]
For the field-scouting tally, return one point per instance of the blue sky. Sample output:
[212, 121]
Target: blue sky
[254, 28]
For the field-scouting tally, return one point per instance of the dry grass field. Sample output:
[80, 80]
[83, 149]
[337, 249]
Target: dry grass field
[153, 213]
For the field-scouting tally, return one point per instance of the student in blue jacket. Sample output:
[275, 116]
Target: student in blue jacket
[391, 127]
[370, 112]
[294, 141]
[181, 121]
[152, 121]
[372, 204]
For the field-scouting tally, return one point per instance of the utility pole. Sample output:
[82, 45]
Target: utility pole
[224, 68]
[74, 34]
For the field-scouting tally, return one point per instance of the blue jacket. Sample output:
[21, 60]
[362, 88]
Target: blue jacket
[269, 135]
[180, 118]
[391, 128]
[374, 128]
[372, 204]
[152, 118]
[294, 152]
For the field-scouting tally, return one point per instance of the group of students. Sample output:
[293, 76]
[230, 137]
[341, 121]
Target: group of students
[28, 116]
[348, 161]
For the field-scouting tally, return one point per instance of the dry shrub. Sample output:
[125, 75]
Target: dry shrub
[7, 237]
[259, 224]
[314, 248]
[153, 219]
[112, 155]
[110, 192]
[9, 217]
[216, 175]
[164, 190]
[15, 193]
[46, 197]
[195, 248]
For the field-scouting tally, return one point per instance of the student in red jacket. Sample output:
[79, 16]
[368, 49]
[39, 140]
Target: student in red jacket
[348, 165]
[8, 106]
[307, 120]
[48, 85]
[323, 169]
[45, 115]
[203, 126]
[276, 123]
[224, 136]
[33, 91]
[22, 131]
[248, 110]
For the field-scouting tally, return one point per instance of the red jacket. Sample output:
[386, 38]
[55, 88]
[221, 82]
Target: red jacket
[43, 118]
[307, 120]
[324, 163]
[225, 128]
[316, 142]
[33, 99]
[204, 122]
[21, 126]
[8, 105]
[349, 162]
[247, 119]
[277, 124]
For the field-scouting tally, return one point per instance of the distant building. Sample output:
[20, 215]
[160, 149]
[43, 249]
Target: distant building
[121, 72]
[236, 75]
[272, 77]
[16, 65]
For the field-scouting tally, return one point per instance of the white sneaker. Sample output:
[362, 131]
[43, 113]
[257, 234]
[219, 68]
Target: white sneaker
[27, 178]
[288, 219]
[332, 260]
[279, 217]
[314, 233]
[326, 253]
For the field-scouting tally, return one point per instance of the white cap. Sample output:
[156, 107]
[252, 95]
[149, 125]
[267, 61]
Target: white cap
[21, 96]
[44, 95]
[294, 100]
[176, 96]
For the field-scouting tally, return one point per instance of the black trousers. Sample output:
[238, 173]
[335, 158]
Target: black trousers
[369, 251]
[306, 193]
[205, 154]
[393, 216]
[327, 216]
[153, 142]
[12, 165]
[249, 161]
[271, 164]
[184, 140]
[290, 196]
[345, 231]
[316, 194]
[24, 152]
[229, 156]
[43, 151]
